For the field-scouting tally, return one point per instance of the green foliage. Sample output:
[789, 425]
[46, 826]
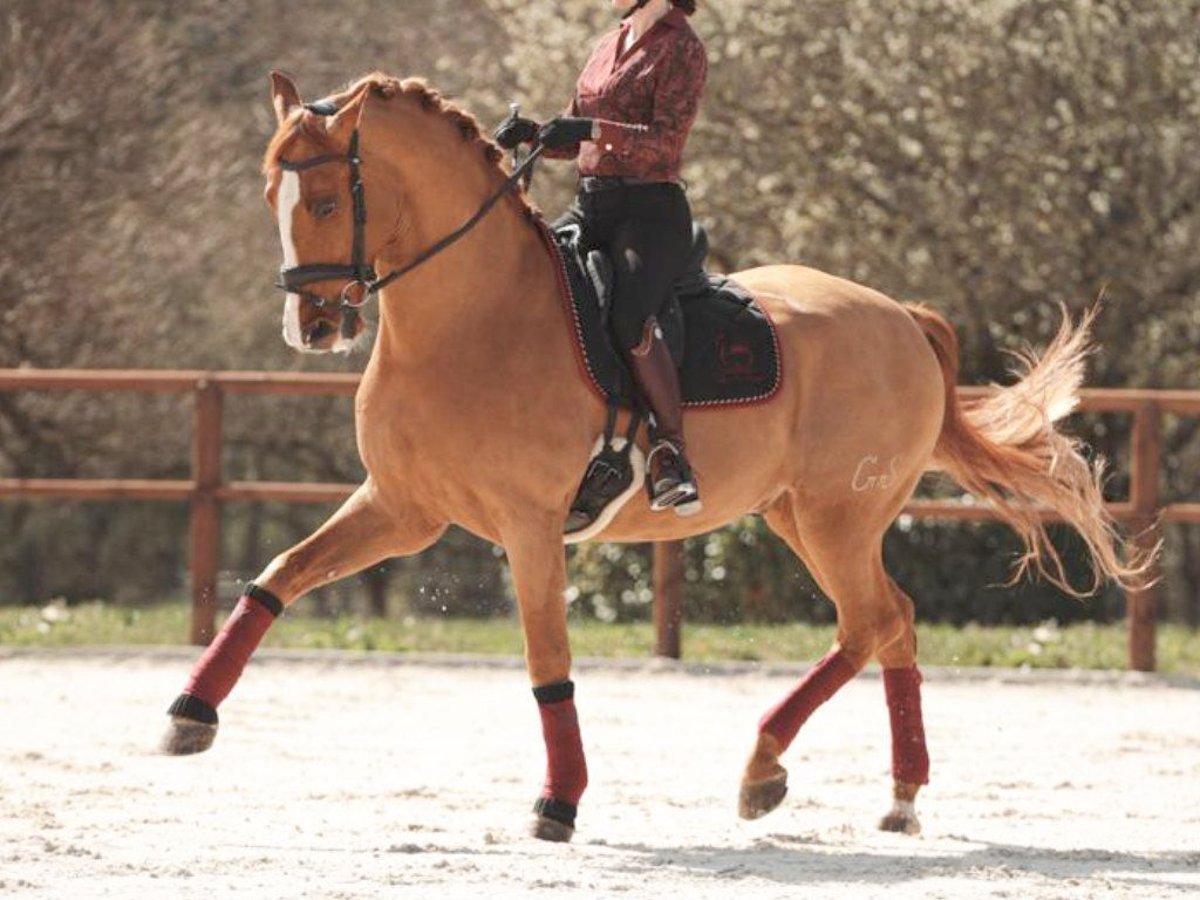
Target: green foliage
[1042, 646]
[741, 573]
[610, 582]
[745, 574]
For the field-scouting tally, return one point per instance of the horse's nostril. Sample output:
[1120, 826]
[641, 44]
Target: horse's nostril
[317, 331]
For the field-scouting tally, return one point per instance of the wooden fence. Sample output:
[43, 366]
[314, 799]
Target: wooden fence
[1144, 512]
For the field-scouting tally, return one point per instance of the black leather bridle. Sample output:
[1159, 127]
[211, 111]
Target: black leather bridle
[361, 279]
[294, 280]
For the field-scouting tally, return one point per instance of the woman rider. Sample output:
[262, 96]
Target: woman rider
[634, 105]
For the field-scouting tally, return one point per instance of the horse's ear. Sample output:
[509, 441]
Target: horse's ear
[284, 96]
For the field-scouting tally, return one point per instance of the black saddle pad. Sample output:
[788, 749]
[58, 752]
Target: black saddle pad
[729, 348]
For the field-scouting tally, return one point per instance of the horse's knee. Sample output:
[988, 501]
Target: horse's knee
[857, 646]
[284, 571]
[885, 630]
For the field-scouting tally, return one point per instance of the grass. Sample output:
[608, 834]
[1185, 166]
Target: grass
[1084, 646]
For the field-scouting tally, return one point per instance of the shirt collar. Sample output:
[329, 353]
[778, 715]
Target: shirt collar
[675, 18]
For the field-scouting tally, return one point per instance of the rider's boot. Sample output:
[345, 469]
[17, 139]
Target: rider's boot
[669, 477]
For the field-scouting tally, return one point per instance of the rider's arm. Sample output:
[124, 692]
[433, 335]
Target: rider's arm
[570, 151]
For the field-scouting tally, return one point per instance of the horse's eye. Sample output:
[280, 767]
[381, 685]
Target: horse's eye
[323, 209]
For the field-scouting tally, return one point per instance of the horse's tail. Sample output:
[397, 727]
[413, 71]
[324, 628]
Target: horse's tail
[1004, 448]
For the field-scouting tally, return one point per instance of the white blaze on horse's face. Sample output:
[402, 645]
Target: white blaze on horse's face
[287, 207]
[287, 203]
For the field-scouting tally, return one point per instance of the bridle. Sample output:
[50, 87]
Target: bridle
[361, 280]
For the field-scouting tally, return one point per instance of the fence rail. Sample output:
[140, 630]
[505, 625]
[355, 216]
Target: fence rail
[1144, 512]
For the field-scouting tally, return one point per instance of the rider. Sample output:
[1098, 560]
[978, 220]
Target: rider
[634, 105]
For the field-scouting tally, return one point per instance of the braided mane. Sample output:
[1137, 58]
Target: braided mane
[388, 87]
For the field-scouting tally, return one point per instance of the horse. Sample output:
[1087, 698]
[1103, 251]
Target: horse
[473, 411]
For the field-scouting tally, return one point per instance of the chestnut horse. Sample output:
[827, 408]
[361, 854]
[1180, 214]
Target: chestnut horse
[473, 410]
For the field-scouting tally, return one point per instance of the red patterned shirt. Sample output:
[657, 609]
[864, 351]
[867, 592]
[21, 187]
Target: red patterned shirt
[645, 99]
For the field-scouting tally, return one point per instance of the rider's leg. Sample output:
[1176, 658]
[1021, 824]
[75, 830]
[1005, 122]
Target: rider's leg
[648, 250]
[671, 481]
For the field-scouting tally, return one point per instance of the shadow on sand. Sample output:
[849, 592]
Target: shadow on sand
[800, 860]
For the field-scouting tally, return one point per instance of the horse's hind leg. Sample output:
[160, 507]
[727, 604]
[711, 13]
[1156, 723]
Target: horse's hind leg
[848, 565]
[359, 534]
[902, 685]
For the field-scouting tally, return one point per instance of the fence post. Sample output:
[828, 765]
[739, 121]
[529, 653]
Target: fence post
[668, 598]
[1141, 603]
[205, 526]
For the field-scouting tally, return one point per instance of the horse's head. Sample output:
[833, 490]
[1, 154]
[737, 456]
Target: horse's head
[314, 187]
[357, 183]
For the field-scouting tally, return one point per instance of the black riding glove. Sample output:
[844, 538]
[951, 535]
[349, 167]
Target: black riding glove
[563, 131]
[515, 131]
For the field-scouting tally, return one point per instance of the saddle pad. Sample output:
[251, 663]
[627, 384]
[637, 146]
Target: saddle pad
[731, 350]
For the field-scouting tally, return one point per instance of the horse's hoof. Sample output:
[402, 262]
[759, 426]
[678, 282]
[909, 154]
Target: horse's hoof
[545, 829]
[901, 820]
[187, 736]
[760, 797]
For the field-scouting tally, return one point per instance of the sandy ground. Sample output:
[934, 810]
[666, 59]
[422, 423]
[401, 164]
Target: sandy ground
[335, 777]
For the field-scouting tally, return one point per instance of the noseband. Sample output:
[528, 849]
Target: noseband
[361, 280]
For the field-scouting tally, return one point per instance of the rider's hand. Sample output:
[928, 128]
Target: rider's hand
[515, 131]
[563, 131]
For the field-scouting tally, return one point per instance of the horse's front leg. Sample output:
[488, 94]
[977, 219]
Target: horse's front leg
[362, 532]
[538, 563]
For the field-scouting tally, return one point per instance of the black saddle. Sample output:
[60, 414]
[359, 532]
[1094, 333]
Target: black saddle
[723, 343]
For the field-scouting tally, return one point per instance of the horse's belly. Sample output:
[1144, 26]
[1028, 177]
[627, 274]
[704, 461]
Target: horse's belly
[742, 457]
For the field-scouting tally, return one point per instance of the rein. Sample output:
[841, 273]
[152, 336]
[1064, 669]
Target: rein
[361, 275]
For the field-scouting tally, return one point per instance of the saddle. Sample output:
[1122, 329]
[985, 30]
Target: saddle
[723, 343]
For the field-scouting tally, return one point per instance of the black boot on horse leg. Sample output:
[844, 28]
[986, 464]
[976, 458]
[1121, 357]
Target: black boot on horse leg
[668, 475]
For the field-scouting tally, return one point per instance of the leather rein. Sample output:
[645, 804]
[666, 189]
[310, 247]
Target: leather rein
[361, 279]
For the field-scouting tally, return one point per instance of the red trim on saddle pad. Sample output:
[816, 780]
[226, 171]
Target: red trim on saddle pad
[564, 297]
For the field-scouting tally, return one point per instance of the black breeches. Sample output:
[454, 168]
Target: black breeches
[646, 230]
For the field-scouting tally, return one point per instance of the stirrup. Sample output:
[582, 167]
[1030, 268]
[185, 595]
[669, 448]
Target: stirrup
[684, 498]
[682, 495]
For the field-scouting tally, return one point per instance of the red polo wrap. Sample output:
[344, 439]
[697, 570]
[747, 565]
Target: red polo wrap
[910, 759]
[222, 663]
[566, 768]
[822, 682]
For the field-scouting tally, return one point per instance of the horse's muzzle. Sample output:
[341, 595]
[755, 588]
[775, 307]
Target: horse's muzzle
[317, 332]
